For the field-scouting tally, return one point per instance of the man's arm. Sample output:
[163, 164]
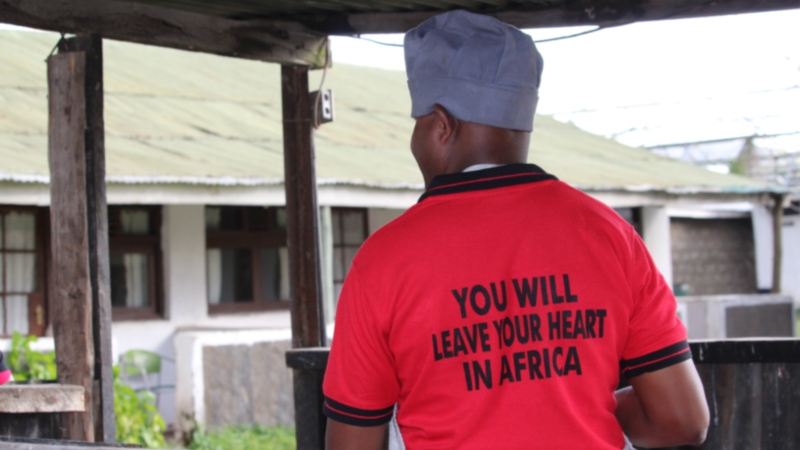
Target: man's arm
[340, 436]
[664, 408]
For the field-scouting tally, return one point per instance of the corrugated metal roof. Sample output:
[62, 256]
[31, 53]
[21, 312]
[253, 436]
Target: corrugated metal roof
[181, 117]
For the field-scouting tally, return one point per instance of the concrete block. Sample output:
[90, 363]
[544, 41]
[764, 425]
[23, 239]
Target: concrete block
[272, 394]
[248, 384]
[40, 398]
[738, 316]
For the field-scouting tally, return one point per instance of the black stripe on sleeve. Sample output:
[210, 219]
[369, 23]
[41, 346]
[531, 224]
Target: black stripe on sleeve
[356, 416]
[656, 360]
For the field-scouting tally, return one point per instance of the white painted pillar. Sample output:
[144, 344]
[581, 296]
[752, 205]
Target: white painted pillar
[790, 268]
[183, 245]
[765, 244]
[189, 393]
[656, 236]
[184, 250]
[326, 230]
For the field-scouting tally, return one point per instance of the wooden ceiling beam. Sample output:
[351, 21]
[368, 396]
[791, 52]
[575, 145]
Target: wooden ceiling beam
[563, 14]
[301, 40]
[281, 42]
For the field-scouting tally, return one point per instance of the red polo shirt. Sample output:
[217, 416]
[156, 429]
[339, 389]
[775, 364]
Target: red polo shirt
[499, 312]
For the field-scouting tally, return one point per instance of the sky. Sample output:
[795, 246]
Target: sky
[655, 83]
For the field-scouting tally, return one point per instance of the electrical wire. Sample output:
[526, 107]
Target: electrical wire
[388, 44]
[582, 33]
[63, 38]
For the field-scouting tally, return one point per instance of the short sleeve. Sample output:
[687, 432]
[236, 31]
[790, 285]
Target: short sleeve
[656, 337]
[360, 385]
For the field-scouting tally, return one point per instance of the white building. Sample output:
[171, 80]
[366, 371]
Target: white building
[195, 194]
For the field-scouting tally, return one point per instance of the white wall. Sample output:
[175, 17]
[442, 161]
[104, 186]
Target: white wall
[326, 241]
[183, 246]
[186, 304]
[790, 266]
[656, 236]
[764, 242]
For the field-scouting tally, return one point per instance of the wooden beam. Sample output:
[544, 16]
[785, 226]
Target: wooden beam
[97, 228]
[553, 14]
[302, 213]
[302, 230]
[301, 41]
[265, 40]
[71, 284]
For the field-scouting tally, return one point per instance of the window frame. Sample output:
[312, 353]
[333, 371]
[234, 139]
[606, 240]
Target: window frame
[365, 217]
[38, 308]
[636, 217]
[151, 246]
[271, 237]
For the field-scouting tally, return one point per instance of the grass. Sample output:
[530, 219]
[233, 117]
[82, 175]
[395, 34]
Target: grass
[797, 324]
[244, 438]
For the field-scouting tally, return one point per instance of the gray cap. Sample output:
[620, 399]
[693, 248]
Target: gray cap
[478, 68]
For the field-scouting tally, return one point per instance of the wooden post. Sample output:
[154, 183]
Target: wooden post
[72, 318]
[777, 242]
[302, 230]
[79, 229]
[302, 215]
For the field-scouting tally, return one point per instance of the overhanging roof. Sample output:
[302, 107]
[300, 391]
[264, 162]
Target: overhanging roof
[176, 117]
[293, 31]
[362, 16]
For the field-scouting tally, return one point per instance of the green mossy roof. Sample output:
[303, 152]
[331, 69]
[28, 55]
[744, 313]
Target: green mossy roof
[196, 118]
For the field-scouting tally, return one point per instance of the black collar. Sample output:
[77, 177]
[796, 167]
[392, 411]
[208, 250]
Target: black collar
[495, 177]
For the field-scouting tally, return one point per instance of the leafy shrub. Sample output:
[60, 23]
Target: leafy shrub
[27, 364]
[255, 437]
[138, 420]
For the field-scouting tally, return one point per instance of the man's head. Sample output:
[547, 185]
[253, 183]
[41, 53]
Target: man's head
[474, 87]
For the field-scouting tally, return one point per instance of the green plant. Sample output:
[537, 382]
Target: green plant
[27, 364]
[138, 420]
[255, 437]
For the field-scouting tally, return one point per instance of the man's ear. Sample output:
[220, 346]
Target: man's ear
[446, 126]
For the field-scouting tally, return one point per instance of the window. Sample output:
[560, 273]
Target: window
[246, 258]
[135, 261]
[349, 232]
[22, 297]
[633, 216]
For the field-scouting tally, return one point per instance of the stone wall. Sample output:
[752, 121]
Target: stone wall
[713, 256]
[737, 316]
[248, 385]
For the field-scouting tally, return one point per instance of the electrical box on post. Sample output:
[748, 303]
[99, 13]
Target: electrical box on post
[322, 104]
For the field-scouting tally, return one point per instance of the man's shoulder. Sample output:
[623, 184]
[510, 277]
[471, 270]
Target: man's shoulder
[427, 223]
[590, 207]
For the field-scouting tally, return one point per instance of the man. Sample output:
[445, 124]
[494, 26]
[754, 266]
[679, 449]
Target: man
[500, 310]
